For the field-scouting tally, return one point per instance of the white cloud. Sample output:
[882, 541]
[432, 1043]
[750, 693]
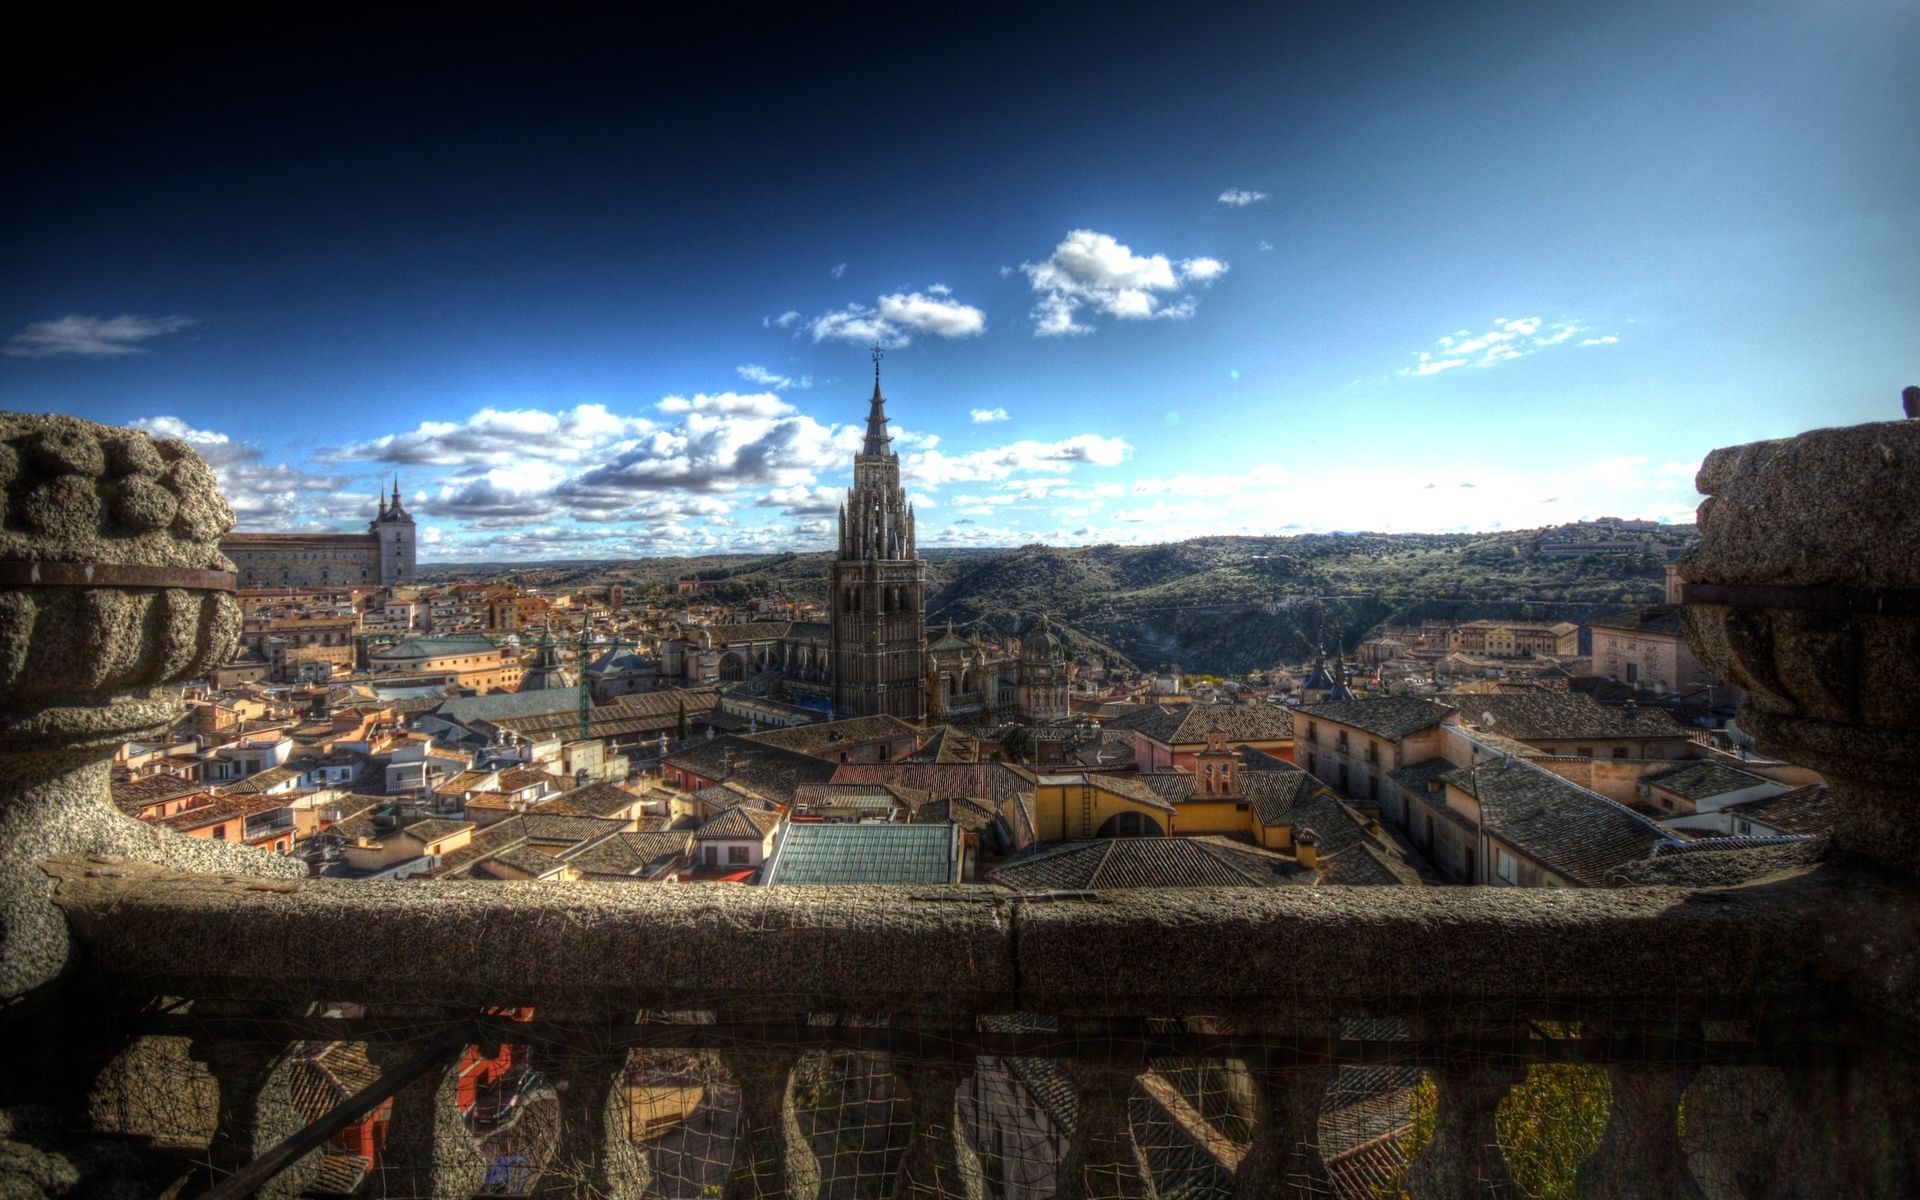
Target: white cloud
[499, 437]
[895, 318]
[838, 270]
[733, 404]
[933, 469]
[92, 337]
[754, 373]
[1506, 340]
[786, 320]
[1241, 197]
[263, 494]
[1096, 272]
[982, 416]
[1265, 244]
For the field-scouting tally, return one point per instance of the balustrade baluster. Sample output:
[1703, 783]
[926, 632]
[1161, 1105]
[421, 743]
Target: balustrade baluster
[771, 1158]
[1103, 1161]
[939, 1164]
[428, 1151]
[255, 1109]
[1283, 1155]
[1464, 1157]
[1640, 1153]
[596, 1156]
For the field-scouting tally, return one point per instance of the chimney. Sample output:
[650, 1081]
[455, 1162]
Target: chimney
[1306, 847]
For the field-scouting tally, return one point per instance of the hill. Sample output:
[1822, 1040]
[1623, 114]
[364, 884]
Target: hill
[1221, 605]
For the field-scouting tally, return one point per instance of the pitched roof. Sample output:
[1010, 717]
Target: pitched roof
[866, 853]
[739, 823]
[823, 737]
[1536, 716]
[748, 632]
[1191, 723]
[132, 795]
[1565, 827]
[773, 771]
[1705, 777]
[995, 781]
[593, 800]
[879, 796]
[1271, 792]
[1147, 862]
[1389, 717]
[465, 710]
[1802, 810]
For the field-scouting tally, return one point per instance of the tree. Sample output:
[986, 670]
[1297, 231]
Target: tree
[1018, 744]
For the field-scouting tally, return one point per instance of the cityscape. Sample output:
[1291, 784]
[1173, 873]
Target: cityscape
[510, 692]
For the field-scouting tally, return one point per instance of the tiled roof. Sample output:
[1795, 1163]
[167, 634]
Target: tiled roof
[1389, 717]
[824, 737]
[221, 808]
[593, 800]
[1698, 780]
[739, 823]
[433, 829]
[632, 853]
[1414, 777]
[997, 782]
[134, 794]
[1661, 619]
[1564, 827]
[1534, 716]
[1190, 724]
[669, 703]
[751, 631]
[524, 857]
[1271, 792]
[974, 816]
[881, 796]
[773, 771]
[1147, 862]
[1802, 810]
[465, 710]
[867, 852]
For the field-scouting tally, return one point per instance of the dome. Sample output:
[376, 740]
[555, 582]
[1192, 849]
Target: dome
[1040, 645]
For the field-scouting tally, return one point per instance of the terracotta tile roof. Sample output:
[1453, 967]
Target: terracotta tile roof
[1147, 862]
[739, 823]
[132, 795]
[1661, 619]
[773, 771]
[992, 781]
[592, 800]
[1390, 717]
[1564, 827]
[1802, 810]
[1704, 778]
[1189, 724]
[825, 737]
[1535, 716]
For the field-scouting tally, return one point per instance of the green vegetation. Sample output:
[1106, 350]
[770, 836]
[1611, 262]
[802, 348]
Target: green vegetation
[1222, 606]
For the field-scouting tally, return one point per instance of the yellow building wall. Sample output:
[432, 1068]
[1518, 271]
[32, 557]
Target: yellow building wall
[1213, 816]
[1063, 811]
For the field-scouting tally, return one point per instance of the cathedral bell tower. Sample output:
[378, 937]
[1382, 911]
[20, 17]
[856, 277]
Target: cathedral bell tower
[878, 585]
[393, 532]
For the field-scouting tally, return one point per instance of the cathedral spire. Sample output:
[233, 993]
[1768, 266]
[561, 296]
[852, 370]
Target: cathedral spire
[879, 441]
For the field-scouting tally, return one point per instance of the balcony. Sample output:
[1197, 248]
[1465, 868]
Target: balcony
[202, 1018]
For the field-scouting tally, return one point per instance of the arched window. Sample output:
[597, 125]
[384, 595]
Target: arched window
[1129, 824]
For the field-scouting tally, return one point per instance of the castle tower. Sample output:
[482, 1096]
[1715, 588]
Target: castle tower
[393, 531]
[878, 586]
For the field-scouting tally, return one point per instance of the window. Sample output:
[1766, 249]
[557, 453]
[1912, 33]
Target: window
[1313, 733]
[1633, 672]
[1504, 865]
[219, 833]
[1584, 751]
[737, 856]
[1373, 788]
[1343, 741]
[713, 856]
[1313, 763]
[1373, 752]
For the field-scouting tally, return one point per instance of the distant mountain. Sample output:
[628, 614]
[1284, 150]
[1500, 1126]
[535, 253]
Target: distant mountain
[1222, 605]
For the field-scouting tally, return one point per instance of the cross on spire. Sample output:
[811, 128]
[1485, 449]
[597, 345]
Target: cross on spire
[878, 354]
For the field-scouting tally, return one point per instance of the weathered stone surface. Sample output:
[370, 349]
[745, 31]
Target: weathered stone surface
[1836, 511]
[79, 664]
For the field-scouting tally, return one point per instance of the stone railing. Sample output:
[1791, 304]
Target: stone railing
[170, 999]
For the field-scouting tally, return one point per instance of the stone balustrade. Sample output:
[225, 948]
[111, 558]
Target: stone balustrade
[1742, 1040]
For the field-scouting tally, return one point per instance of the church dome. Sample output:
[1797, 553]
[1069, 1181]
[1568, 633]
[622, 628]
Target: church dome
[1040, 645]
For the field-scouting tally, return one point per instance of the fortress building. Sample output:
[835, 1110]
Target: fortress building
[383, 556]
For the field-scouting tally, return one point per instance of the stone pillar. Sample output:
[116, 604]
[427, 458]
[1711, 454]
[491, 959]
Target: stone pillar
[771, 1158]
[596, 1157]
[1283, 1156]
[428, 1151]
[1640, 1152]
[1805, 590]
[1464, 1157]
[938, 1164]
[111, 585]
[255, 1111]
[1103, 1161]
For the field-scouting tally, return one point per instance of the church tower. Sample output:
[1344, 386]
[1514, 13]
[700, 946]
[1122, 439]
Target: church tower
[878, 586]
[394, 533]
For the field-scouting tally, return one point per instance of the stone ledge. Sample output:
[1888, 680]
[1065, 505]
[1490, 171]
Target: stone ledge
[1778, 947]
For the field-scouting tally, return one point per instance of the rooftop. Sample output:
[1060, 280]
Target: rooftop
[865, 853]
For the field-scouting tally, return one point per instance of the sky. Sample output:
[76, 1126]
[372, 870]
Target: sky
[600, 288]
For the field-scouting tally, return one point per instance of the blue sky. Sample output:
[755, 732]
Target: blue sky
[604, 290]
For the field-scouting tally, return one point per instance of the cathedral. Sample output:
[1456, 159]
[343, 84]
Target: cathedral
[877, 587]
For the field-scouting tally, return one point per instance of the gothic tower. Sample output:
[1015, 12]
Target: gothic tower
[393, 529]
[878, 586]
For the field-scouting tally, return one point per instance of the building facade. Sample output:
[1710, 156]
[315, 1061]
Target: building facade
[878, 586]
[382, 556]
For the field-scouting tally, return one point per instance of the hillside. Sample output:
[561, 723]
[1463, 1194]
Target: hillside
[1224, 605]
